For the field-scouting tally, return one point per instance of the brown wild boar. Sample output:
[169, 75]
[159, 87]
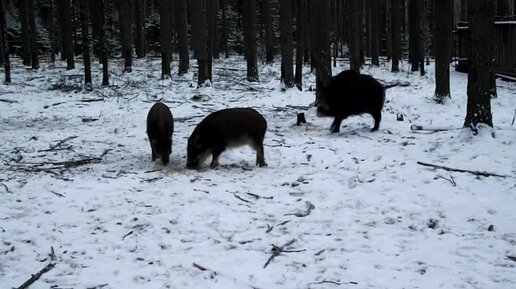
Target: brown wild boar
[223, 129]
[160, 126]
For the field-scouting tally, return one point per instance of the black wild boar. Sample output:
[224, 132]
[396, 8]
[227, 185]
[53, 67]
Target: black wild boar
[224, 129]
[160, 126]
[351, 93]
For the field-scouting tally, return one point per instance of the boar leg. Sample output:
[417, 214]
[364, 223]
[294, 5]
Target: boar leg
[377, 117]
[260, 159]
[215, 157]
[153, 151]
[335, 126]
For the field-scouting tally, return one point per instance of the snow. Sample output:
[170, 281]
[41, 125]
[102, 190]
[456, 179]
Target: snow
[379, 220]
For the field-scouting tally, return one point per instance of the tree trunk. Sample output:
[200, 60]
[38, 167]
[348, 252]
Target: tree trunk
[102, 45]
[481, 28]
[24, 19]
[249, 13]
[287, 74]
[182, 36]
[212, 11]
[269, 34]
[375, 31]
[396, 14]
[321, 45]
[165, 38]
[199, 38]
[139, 27]
[443, 44]
[33, 37]
[4, 43]
[52, 32]
[85, 44]
[66, 33]
[300, 43]
[354, 37]
[415, 47]
[224, 29]
[125, 34]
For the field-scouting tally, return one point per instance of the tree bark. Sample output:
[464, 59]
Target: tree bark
[102, 45]
[182, 36]
[396, 14]
[300, 43]
[249, 14]
[224, 29]
[4, 43]
[212, 11]
[66, 33]
[481, 28]
[354, 39]
[415, 34]
[33, 37]
[125, 34]
[199, 38]
[85, 44]
[287, 74]
[321, 45]
[165, 38]
[269, 36]
[375, 32]
[139, 27]
[443, 44]
[24, 19]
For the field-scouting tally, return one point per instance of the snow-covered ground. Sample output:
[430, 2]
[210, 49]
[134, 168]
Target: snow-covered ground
[354, 209]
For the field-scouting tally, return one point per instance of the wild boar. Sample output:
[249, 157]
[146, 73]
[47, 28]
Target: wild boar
[351, 93]
[223, 129]
[160, 126]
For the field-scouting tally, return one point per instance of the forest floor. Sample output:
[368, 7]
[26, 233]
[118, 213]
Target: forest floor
[346, 210]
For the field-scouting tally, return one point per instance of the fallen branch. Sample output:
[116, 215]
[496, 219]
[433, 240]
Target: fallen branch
[217, 273]
[415, 127]
[8, 100]
[451, 179]
[246, 85]
[306, 212]
[260, 197]
[36, 276]
[477, 173]
[277, 250]
[240, 198]
[59, 144]
[6, 188]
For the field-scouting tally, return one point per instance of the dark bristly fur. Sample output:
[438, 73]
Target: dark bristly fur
[223, 129]
[160, 126]
[350, 93]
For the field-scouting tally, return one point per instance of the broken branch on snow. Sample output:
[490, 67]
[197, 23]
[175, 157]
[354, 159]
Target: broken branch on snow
[36, 276]
[308, 209]
[477, 173]
[277, 250]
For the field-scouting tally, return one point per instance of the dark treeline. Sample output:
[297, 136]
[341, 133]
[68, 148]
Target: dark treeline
[299, 32]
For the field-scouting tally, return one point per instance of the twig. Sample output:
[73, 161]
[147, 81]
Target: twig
[8, 100]
[240, 198]
[59, 144]
[6, 188]
[451, 180]
[276, 251]
[325, 282]
[246, 85]
[218, 273]
[130, 233]
[513, 117]
[260, 197]
[477, 173]
[36, 276]
[57, 194]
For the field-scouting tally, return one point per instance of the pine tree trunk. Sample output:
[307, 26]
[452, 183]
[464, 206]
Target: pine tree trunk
[321, 45]
[212, 10]
[33, 37]
[396, 14]
[269, 36]
[354, 39]
[199, 38]
[52, 32]
[102, 44]
[4, 43]
[85, 44]
[125, 34]
[249, 14]
[165, 38]
[287, 74]
[66, 33]
[139, 27]
[415, 48]
[443, 44]
[24, 19]
[224, 29]
[481, 30]
[375, 31]
[182, 36]
[300, 43]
